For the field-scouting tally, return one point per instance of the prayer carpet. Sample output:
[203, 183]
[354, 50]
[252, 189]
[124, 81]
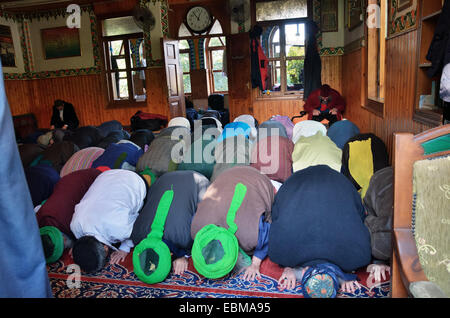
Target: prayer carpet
[119, 281]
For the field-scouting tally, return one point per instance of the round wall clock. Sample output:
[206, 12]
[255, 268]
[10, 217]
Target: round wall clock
[198, 19]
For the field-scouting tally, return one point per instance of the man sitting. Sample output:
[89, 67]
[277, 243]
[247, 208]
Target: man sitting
[325, 103]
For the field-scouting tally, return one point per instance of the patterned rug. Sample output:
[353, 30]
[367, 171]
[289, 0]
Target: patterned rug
[119, 281]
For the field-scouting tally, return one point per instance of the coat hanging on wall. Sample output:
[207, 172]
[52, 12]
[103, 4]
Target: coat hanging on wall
[312, 68]
[259, 62]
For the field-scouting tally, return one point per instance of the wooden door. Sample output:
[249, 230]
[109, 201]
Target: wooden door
[174, 76]
[238, 71]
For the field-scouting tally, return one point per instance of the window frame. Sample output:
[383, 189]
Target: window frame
[374, 104]
[284, 93]
[131, 101]
[186, 51]
[209, 62]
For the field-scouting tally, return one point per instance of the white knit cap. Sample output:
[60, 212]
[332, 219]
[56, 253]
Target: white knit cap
[179, 121]
[307, 128]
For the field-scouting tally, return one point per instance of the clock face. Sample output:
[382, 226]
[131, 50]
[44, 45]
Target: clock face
[198, 19]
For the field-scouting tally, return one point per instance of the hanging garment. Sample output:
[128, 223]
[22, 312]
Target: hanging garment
[258, 201]
[362, 156]
[313, 64]
[58, 209]
[23, 271]
[259, 62]
[439, 51]
[317, 217]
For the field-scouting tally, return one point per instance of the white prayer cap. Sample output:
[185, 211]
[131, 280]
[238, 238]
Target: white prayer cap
[179, 121]
[307, 128]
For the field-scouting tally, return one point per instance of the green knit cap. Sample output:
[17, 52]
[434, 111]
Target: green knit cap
[215, 249]
[151, 257]
[57, 239]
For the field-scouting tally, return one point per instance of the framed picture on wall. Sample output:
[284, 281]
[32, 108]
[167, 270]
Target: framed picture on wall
[60, 42]
[403, 4]
[329, 15]
[7, 54]
[402, 16]
[353, 12]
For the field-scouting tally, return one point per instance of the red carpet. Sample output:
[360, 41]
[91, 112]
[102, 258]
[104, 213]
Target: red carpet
[119, 281]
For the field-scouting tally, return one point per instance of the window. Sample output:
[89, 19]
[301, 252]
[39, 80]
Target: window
[284, 46]
[125, 61]
[280, 9]
[185, 61]
[215, 50]
[375, 57]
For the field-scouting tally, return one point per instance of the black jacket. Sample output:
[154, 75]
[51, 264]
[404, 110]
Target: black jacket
[439, 51]
[313, 65]
[69, 115]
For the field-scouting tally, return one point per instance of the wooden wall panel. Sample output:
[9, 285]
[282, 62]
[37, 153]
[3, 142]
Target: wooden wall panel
[332, 71]
[264, 109]
[400, 85]
[20, 97]
[86, 94]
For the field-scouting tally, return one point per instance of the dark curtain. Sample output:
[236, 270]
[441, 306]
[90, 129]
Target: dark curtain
[312, 69]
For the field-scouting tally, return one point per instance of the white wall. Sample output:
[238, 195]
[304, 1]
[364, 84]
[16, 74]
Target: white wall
[15, 33]
[336, 39]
